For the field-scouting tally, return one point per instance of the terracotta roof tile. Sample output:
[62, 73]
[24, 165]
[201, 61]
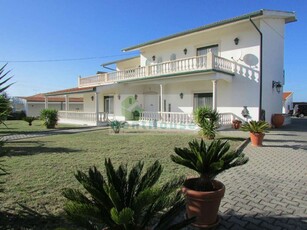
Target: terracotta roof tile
[70, 91]
[41, 98]
[286, 95]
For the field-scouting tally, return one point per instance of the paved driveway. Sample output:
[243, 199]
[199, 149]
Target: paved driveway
[270, 191]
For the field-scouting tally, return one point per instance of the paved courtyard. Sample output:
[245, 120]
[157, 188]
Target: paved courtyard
[270, 191]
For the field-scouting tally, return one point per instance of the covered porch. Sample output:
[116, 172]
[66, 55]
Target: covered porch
[164, 102]
[92, 113]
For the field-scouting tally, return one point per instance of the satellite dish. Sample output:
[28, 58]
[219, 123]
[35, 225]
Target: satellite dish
[250, 59]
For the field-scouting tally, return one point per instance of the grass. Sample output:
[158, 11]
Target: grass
[41, 167]
[20, 127]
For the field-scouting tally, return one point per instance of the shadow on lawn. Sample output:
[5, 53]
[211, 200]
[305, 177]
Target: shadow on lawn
[28, 148]
[30, 219]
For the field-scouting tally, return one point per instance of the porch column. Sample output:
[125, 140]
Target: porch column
[97, 107]
[214, 90]
[161, 98]
[46, 102]
[66, 105]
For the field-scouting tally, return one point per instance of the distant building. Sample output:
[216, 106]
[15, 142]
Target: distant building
[32, 105]
[287, 102]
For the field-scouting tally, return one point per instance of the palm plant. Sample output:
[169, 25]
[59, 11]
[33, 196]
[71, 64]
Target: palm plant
[2, 80]
[255, 126]
[29, 120]
[117, 125]
[4, 110]
[208, 160]
[50, 118]
[124, 200]
[207, 119]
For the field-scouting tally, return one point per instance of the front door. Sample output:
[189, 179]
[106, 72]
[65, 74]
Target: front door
[109, 104]
[151, 102]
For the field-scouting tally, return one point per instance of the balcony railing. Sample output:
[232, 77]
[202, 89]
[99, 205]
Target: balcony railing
[191, 64]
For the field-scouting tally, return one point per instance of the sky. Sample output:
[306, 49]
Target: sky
[49, 43]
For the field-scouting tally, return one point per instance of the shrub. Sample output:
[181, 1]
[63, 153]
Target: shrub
[125, 200]
[17, 115]
[50, 118]
[255, 126]
[117, 125]
[207, 119]
[29, 120]
[136, 115]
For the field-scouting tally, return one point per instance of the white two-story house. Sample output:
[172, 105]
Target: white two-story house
[229, 65]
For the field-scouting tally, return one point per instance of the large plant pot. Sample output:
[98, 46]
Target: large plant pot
[278, 120]
[203, 205]
[256, 138]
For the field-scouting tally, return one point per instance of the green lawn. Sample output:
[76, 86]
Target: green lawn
[41, 167]
[19, 127]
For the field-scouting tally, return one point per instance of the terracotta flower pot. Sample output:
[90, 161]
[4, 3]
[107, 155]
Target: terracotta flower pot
[256, 138]
[236, 124]
[203, 205]
[278, 120]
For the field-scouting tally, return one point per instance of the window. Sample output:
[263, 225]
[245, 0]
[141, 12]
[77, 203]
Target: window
[202, 52]
[205, 50]
[203, 99]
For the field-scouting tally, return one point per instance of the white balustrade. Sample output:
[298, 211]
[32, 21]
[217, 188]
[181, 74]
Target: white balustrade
[181, 118]
[190, 64]
[83, 116]
[223, 64]
[226, 119]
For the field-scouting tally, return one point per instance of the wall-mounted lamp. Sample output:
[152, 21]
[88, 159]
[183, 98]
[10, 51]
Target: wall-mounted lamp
[154, 58]
[181, 95]
[185, 51]
[118, 96]
[92, 98]
[277, 85]
[236, 40]
[135, 96]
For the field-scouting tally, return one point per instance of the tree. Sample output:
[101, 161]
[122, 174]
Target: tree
[4, 110]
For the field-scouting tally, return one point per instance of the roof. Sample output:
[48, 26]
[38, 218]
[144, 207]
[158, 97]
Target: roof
[289, 17]
[41, 98]
[71, 91]
[120, 60]
[286, 95]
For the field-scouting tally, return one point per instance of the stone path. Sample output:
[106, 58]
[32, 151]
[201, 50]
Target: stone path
[270, 191]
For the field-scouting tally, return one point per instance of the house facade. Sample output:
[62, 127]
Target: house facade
[236, 66]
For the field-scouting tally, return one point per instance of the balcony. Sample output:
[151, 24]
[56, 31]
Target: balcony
[180, 66]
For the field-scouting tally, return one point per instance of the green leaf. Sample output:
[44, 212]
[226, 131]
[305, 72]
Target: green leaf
[124, 217]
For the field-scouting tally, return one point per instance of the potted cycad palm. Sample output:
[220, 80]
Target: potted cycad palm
[256, 130]
[204, 193]
[208, 121]
[125, 200]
